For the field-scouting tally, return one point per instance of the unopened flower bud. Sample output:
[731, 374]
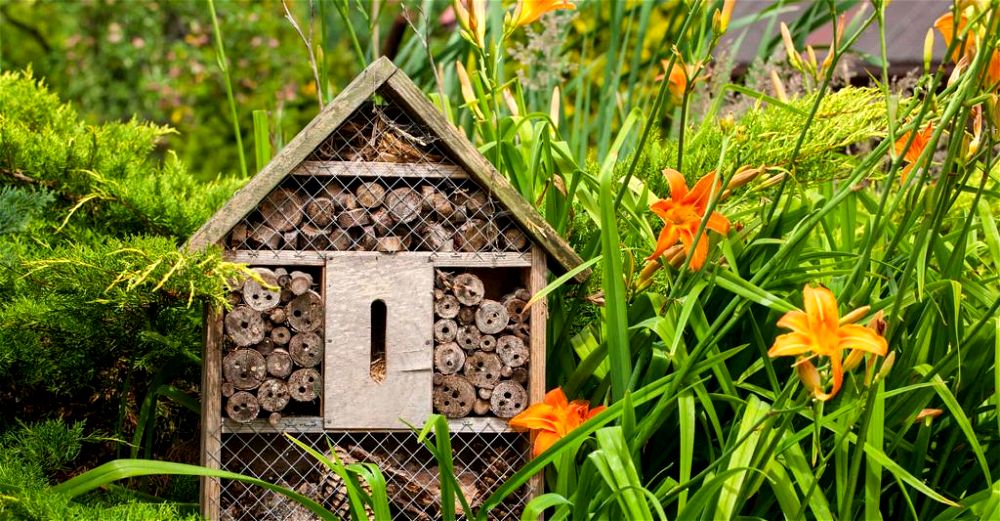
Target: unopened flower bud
[853, 359]
[886, 366]
[720, 19]
[809, 376]
[727, 123]
[878, 323]
[793, 56]
[855, 315]
[928, 49]
[744, 175]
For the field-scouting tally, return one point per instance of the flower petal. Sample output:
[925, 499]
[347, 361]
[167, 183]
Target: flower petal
[556, 398]
[797, 321]
[791, 344]
[678, 186]
[698, 196]
[538, 416]
[853, 336]
[700, 253]
[668, 237]
[718, 223]
[821, 307]
[544, 440]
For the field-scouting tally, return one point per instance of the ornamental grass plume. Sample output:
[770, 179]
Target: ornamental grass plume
[912, 153]
[527, 11]
[682, 215]
[820, 332]
[554, 418]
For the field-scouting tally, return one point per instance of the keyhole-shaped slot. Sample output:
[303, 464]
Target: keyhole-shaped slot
[378, 322]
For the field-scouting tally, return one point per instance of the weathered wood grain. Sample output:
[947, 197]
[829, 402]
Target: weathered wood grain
[211, 413]
[405, 285]
[379, 169]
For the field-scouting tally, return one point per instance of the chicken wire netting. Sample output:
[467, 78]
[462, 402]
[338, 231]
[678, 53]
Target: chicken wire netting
[378, 183]
[483, 461]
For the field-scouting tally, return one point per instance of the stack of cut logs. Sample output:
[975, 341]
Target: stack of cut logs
[374, 217]
[481, 349]
[276, 344]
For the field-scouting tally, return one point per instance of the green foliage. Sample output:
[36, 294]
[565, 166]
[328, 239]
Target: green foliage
[19, 206]
[51, 444]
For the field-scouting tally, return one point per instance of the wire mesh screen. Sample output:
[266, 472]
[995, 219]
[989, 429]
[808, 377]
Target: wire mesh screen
[483, 461]
[378, 183]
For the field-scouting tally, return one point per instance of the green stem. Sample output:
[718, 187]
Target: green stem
[220, 55]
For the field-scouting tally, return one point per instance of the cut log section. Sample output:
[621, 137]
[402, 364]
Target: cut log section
[370, 195]
[454, 396]
[264, 347]
[244, 326]
[449, 358]
[305, 312]
[321, 211]
[481, 407]
[306, 349]
[382, 221]
[467, 315]
[228, 389]
[475, 235]
[468, 337]
[438, 238]
[282, 209]
[273, 395]
[404, 204]
[303, 384]
[273, 419]
[244, 368]
[447, 307]
[238, 236]
[519, 329]
[242, 407]
[290, 240]
[488, 343]
[340, 240]
[484, 393]
[279, 363]
[445, 330]
[515, 239]
[277, 315]
[519, 375]
[259, 297]
[366, 240]
[491, 317]
[483, 369]
[390, 244]
[264, 237]
[342, 198]
[512, 351]
[299, 282]
[436, 202]
[468, 288]
[508, 399]
[515, 308]
[281, 335]
[353, 218]
[315, 238]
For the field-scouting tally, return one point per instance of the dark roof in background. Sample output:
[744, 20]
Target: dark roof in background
[907, 22]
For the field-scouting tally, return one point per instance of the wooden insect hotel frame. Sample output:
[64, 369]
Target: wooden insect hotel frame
[393, 264]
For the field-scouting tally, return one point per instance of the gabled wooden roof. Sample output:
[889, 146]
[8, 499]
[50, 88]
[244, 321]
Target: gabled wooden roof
[384, 78]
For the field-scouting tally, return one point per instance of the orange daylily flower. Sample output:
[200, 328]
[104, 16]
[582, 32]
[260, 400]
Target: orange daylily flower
[818, 332]
[677, 77]
[527, 11]
[554, 418]
[682, 215]
[945, 24]
[993, 71]
[916, 148]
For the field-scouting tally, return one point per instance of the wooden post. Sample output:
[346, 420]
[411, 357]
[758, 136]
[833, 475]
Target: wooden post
[211, 413]
[537, 281]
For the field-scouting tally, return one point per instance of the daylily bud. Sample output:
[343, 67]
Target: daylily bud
[468, 93]
[720, 19]
[744, 175]
[771, 181]
[956, 74]
[675, 255]
[928, 414]
[511, 103]
[977, 132]
[886, 366]
[928, 50]
[878, 324]
[779, 87]
[853, 359]
[648, 270]
[727, 123]
[471, 15]
[793, 56]
[855, 315]
[993, 110]
[809, 376]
